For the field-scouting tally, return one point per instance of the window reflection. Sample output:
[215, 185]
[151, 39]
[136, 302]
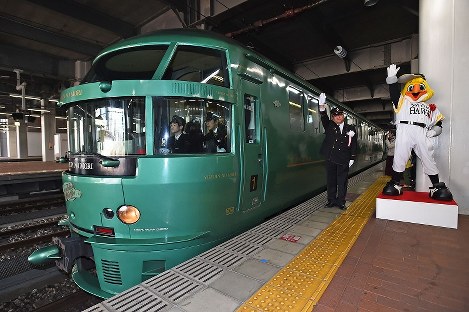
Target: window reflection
[198, 64]
[110, 127]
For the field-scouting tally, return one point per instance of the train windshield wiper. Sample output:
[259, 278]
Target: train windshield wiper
[107, 161]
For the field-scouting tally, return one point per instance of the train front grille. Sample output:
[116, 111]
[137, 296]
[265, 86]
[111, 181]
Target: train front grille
[111, 272]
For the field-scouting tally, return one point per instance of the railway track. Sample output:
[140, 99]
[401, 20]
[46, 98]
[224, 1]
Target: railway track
[32, 240]
[9, 208]
[76, 301]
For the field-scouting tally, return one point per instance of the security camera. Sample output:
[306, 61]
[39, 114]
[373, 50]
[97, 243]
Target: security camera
[17, 116]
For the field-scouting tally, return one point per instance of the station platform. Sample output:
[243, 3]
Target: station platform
[322, 259]
[18, 167]
[20, 179]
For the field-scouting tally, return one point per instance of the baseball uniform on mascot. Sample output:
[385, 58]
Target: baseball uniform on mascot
[416, 124]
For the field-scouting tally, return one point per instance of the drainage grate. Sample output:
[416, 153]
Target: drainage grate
[222, 257]
[254, 238]
[111, 272]
[267, 231]
[280, 223]
[172, 285]
[135, 299]
[298, 215]
[199, 270]
[240, 247]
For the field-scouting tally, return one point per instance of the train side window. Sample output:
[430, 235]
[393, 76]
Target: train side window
[295, 109]
[312, 118]
[250, 118]
[207, 125]
[199, 64]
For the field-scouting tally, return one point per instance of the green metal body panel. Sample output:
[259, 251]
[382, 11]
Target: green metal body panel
[189, 203]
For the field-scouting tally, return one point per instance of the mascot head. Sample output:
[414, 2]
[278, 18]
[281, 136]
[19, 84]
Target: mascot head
[416, 87]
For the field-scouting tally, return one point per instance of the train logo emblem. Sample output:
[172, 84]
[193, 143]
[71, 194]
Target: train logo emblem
[70, 192]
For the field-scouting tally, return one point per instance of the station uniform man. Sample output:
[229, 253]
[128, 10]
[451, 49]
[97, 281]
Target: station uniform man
[339, 149]
[416, 124]
[178, 142]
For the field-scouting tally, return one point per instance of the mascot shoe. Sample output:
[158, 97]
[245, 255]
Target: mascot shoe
[392, 189]
[439, 191]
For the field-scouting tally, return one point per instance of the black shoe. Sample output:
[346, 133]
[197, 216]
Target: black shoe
[329, 205]
[392, 189]
[341, 206]
[439, 191]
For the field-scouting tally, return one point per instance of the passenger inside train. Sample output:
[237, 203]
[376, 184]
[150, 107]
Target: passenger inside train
[178, 141]
[215, 138]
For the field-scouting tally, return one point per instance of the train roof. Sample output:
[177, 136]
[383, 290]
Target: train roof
[212, 39]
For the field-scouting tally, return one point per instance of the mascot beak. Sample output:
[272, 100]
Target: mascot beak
[416, 90]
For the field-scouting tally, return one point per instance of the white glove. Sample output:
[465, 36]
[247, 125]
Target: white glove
[322, 102]
[350, 163]
[322, 98]
[392, 74]
[435, 131]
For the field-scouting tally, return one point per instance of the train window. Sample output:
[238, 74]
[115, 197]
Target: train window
[250, 118]
[206, 125]
[109, 127]
[312, 118]
[199, 64]
[127, 64]
[296, 109]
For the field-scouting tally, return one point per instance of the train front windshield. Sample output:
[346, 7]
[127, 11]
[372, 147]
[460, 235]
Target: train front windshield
[109, 127]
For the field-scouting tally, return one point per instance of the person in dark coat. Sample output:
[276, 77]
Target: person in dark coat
[390, 142]
[339, 149]
[195, 137]
[178, 142]
[215, 139]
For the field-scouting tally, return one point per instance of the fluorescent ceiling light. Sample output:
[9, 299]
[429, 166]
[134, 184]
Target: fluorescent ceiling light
[26, 97]
[39, 110]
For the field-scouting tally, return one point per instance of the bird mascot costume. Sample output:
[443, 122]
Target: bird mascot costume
[417, 123]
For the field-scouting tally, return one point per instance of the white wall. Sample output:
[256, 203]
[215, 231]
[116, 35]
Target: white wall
[444, 60]
[34, 144]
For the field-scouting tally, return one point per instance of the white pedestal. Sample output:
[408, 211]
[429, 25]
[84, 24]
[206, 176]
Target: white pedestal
[417, 207]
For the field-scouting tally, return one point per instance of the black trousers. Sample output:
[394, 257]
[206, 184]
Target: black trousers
[337, 178]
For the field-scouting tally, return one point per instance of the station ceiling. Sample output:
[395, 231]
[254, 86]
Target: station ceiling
[44, 39]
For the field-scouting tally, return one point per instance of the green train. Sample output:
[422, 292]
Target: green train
[137, 205]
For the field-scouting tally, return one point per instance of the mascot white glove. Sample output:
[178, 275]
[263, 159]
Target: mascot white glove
[392, 74]
[434, 131]
[322, 102]
[350, 163]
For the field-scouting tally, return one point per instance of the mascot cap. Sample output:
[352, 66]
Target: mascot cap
[407, 77]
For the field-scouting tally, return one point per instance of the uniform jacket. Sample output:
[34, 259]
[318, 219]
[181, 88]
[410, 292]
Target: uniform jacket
[180, 145]
[335, 147]
[215, 140]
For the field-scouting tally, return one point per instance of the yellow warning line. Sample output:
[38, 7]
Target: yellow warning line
[299, 285]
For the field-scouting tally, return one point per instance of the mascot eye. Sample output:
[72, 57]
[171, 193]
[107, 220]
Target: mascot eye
[410, 88]
[422, 87]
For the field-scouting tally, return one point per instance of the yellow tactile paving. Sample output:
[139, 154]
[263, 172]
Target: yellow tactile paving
[300, 284]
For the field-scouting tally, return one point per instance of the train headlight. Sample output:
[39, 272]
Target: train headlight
[128, 214]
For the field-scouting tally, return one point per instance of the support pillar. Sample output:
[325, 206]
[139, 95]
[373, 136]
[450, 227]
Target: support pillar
[47, 131]
[443, 58]
[11, 139]
[21, 139]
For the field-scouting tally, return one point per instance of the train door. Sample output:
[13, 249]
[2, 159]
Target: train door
[252, 156]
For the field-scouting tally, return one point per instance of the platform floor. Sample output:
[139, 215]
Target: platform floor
[28, 167]
[398, 266]
[353, 263]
